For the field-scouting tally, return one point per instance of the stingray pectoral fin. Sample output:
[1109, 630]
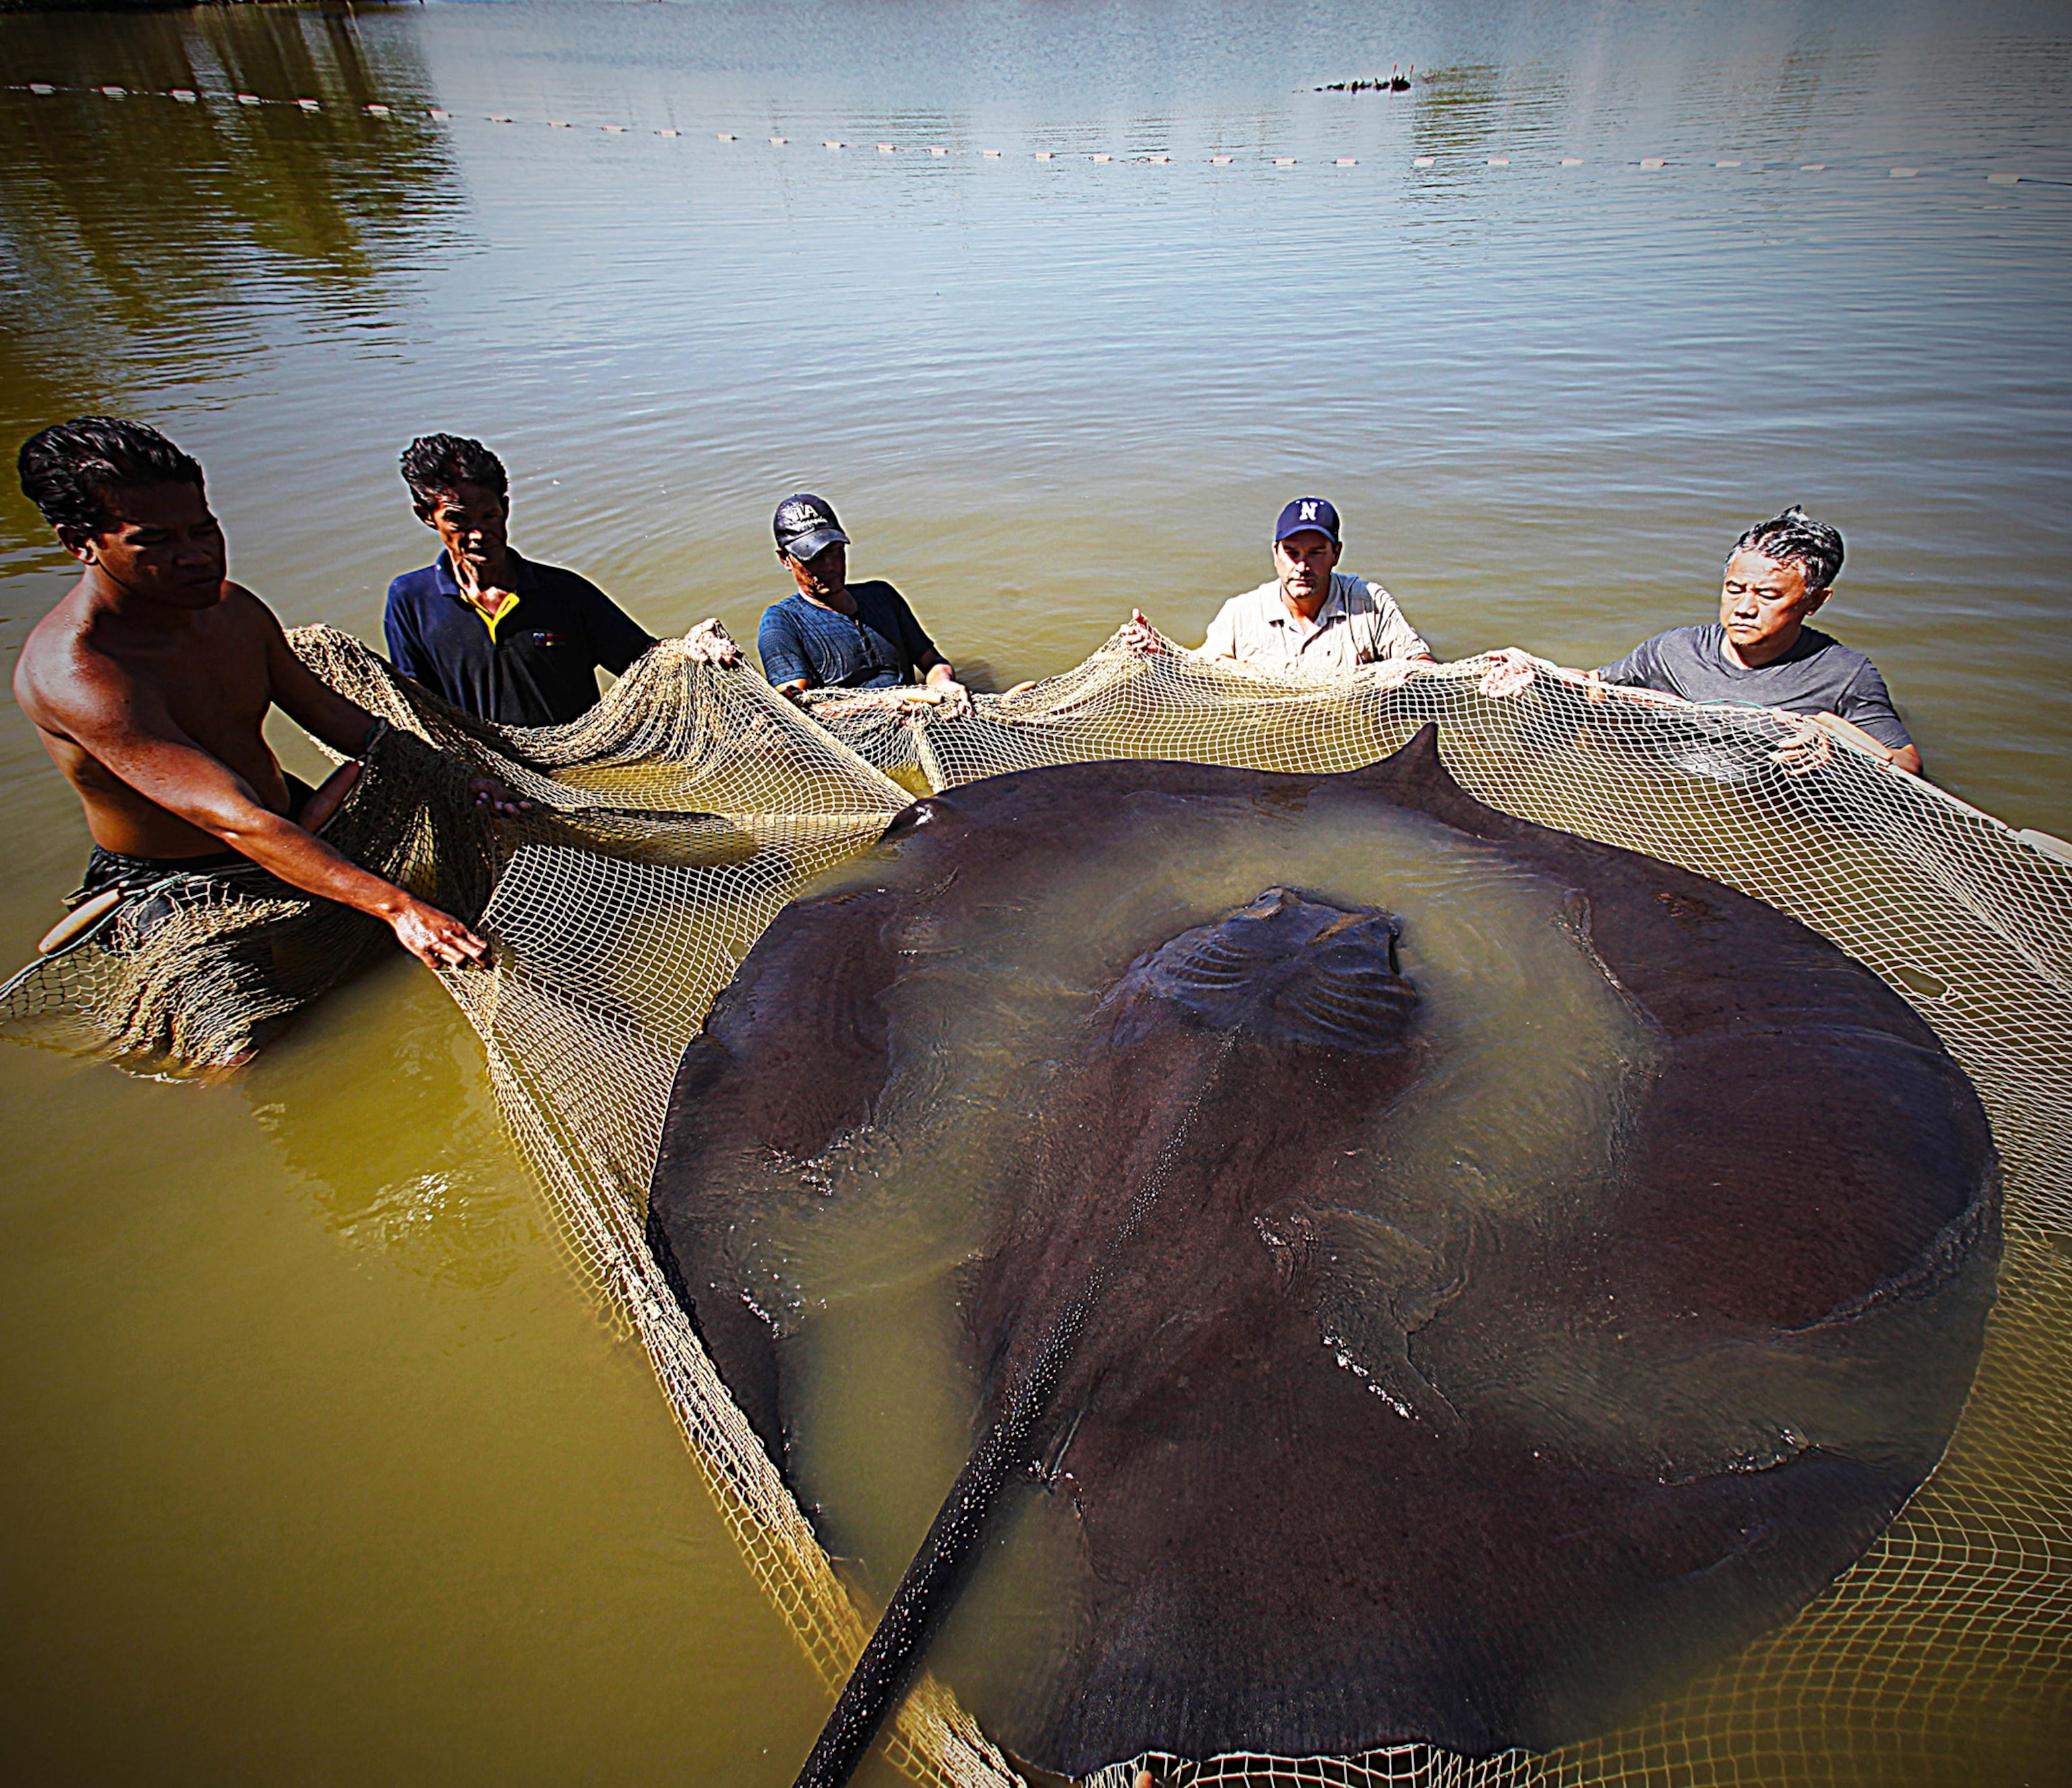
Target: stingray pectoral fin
[1414, 775]
[811, 998]
[794, 1054]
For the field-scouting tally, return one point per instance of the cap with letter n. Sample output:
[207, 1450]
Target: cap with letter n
[806, 524]
[1304, 515]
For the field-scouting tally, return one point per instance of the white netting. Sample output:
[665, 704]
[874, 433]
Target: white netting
[678, 817]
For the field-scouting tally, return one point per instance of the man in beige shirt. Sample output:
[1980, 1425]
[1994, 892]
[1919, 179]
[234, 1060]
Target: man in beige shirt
[1310, 619]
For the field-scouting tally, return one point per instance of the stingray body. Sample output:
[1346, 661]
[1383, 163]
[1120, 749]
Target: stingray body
[1341, 1374]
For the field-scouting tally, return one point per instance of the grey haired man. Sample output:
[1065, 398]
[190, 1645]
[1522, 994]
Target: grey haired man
[1761, 650]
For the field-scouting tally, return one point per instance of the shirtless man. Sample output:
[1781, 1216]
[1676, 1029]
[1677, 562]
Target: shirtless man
[150, 679]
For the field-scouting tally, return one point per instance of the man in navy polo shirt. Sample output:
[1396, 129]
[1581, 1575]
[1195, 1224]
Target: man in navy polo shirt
[505, 639]
[832, 634]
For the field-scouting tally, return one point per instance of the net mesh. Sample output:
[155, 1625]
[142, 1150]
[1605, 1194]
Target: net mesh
[674, 820]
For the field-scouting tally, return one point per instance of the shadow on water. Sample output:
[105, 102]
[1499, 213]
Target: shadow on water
[145, 242]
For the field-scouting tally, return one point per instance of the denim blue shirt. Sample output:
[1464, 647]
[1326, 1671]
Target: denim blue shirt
[881, 645]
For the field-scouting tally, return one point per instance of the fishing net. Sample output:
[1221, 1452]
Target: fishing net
[673, 821]
[188, 974]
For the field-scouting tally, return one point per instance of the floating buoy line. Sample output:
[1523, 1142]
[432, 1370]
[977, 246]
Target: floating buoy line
[1420, 163]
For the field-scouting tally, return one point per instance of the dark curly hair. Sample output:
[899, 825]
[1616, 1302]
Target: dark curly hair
[1796, 537]
[69, 469]
[433, 463]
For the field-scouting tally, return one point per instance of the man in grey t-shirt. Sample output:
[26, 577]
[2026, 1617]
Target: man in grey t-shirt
[1761, 650]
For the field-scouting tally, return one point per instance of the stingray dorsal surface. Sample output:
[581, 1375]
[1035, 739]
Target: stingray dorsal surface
[1552, 1268]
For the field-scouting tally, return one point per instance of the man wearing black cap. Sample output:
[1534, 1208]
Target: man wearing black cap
[1311, 619]
[833, 634]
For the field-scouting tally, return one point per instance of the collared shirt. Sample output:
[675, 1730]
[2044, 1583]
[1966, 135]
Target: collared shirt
[880, 645]
[1359, 624]
[533, 662]
[1819, 673]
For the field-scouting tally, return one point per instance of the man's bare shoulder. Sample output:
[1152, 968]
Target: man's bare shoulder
[246, 605]
[82, 666]
[246, 614]
[59, 664]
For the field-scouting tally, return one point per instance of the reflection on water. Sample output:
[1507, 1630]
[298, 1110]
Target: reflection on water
[152, 246]
[401, 1147]
[1543, 397]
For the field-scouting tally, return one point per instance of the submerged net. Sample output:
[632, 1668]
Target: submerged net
[674, 820]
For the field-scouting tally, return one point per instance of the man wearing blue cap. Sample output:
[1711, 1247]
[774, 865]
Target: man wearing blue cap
[1312, 619]
[832, 634]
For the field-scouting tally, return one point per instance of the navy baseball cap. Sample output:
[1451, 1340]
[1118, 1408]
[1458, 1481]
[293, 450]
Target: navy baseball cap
[805, 525]
[1306, 513]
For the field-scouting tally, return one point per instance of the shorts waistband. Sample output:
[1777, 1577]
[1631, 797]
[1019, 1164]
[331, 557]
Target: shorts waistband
[111, 868]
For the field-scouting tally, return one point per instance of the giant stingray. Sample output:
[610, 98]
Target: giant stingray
[1456, 1326]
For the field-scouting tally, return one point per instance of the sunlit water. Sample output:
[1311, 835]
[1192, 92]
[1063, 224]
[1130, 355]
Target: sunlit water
[321, 1469]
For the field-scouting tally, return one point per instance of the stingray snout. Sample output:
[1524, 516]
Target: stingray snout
[1285, 968]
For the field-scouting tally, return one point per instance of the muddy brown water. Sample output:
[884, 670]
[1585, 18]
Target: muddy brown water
[320, 1468]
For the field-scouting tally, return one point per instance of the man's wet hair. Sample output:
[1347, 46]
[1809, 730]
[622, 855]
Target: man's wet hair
[435, 464]
[68, 469]
[1795, 537]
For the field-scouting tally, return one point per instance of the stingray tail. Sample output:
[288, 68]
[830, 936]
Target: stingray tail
[927, 1589]
[930, 1585]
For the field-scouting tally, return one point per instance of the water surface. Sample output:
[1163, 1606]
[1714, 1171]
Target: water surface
[323, 1469]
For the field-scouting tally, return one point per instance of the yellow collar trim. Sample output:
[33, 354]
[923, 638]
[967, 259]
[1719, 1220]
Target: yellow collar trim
[492, 616]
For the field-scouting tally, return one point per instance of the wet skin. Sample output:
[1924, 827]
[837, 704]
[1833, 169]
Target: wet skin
[148, 684]
[1326, 1459]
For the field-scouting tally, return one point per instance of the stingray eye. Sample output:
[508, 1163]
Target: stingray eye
[1395, 956]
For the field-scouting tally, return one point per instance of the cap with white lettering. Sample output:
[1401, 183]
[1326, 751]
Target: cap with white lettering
[805, 525]
[1305, 515]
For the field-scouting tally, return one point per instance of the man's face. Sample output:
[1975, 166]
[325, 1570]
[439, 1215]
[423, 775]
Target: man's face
[826, 571]
[470, 520]
[161, 543]
[1304, 560]
[1764, 602]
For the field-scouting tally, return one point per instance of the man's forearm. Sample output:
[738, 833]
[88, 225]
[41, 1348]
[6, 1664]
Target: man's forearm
[304, 860]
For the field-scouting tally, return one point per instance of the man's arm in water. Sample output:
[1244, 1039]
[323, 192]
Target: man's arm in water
[122, 723]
